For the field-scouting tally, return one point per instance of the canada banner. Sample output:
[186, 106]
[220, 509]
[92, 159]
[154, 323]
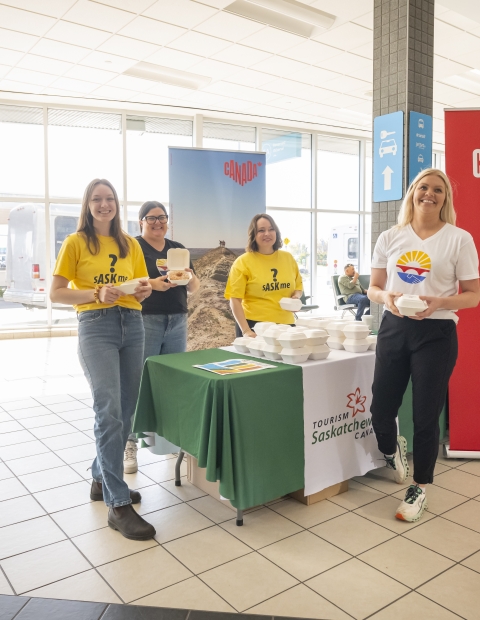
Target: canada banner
[462, 155]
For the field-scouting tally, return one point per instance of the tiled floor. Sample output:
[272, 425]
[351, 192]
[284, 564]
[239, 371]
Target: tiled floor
[342, 558]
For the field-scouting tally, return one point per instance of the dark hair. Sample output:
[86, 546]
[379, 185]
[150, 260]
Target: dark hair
[348, 265]
[147, 207]
[85, 223]
[252, 233]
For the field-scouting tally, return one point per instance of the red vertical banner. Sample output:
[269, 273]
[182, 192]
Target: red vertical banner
[462, 154]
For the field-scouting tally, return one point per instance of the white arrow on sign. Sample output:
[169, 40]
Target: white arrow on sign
[387, 178]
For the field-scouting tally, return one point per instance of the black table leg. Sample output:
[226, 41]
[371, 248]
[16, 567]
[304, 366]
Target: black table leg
[178, 481]
[239, 517]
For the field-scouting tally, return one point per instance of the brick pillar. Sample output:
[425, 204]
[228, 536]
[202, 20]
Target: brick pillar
[402, 80]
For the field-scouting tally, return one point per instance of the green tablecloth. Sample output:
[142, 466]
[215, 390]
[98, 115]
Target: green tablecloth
[246, 430]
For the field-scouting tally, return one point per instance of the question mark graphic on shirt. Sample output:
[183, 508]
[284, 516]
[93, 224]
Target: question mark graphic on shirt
[114, 260]
[275, 271]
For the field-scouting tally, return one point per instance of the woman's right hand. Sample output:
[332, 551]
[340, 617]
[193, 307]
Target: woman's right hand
[389, 302]
[249, 333]
[161, 284]
[109, 294]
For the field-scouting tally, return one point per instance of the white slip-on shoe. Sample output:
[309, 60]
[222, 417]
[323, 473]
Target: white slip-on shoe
[412, 507]
[130, 465]
[398, 463]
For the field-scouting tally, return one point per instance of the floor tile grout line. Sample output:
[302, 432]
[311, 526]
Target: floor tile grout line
[440, 605]
[2, 572]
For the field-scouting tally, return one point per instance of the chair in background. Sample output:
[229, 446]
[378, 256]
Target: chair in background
[304, 307]
[340, 303]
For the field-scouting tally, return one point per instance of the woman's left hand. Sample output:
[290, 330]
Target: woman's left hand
[296, 295]
[143, 290]
[434, 303]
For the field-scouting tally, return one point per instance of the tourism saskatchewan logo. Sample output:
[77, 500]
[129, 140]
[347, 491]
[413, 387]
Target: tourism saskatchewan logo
[328, 428]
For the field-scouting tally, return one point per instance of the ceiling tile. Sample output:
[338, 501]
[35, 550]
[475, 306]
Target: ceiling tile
[4, 69]
[89, 74]
[241, 55]
[348, 64]
[205, 99]
[315, 76]
[448, 95]
[77, 86]
[112, 93]
[364, 50]
[31, 77]
[474, 102]
[451, 42]
[125, 46]
[152, 31]
[19, 87]
[443, 68]
[167, 90]
[471, 59]
[215, 69]
[471, 86]
[17, 40]
[340, 100]
[134, 6]
[93, 14]
[347, 36]
[108, 62]
[241, 92]
[60, 51]
[272, 40]
[346, 9]
[53, 8]
[180, 12]
[365, 20]
[24, 21]
[167, 57]
[248, 77]
[345, 84]
[9, 57]
[217, 4]
[47, 65]
[289, 103]
[66, 32]
[131, 83]
[460, 21]
[282, 67]
[311, 52]
[364, 107]
[313, 93]
[202, 44]
[231, 26]
[283, 87]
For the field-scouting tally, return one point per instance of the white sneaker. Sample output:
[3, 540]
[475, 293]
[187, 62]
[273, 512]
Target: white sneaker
[130, 465]
[412, 507]
[399, 463]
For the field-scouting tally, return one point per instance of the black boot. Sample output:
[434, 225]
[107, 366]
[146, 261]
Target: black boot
[129, 523]
[96, 493]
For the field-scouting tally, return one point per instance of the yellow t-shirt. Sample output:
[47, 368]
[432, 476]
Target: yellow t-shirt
[260, 281]
[85, 270]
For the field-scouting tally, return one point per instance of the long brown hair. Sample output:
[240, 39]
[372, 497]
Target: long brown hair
[252, 233]
[85, 222]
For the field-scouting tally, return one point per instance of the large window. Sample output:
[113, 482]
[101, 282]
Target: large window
[338, 174]
[228, 137]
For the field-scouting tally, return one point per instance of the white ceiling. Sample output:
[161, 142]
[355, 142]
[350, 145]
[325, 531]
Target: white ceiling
[81, 48]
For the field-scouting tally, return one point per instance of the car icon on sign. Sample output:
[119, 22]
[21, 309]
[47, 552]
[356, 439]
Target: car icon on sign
[387, 146]
[420, 158]
[421, 123]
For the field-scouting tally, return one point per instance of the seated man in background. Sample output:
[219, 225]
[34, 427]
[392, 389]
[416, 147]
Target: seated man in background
[353, 292]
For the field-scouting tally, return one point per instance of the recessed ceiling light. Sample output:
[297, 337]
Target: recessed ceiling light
[287, 15]
[167, 75]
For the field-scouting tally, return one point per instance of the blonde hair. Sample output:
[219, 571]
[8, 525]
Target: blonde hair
[447, 212]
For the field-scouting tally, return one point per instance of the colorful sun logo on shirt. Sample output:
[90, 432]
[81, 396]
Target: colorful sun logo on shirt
[413, 267]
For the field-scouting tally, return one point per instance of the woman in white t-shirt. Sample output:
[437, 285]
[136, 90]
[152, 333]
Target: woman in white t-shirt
[425, 254]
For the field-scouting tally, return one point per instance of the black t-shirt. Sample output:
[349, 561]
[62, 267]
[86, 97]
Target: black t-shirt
[173, 301]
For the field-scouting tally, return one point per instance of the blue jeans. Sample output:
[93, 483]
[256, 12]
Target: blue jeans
[362, 302]
[164, 333]
[110, 348]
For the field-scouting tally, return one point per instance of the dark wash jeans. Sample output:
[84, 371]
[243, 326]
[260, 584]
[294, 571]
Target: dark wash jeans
[110, 348]
[426, 351]
[361, 301]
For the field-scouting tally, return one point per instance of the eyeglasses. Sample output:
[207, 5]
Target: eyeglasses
[151, 219]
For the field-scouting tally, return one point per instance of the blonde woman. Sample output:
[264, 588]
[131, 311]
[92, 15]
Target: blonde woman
[111, 337]
[425, 254]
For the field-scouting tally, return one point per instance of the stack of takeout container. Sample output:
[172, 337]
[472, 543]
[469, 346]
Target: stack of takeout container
[356, 334]
[294, 346]
[261, 327]
[255, 346]
[316, 341]
[336, 335]
[241, 343]
[372, 341]
[272, 348]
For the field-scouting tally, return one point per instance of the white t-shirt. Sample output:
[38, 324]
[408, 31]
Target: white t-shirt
[431, 267]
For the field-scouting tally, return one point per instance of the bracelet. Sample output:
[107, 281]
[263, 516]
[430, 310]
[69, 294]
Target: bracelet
[95, 294]
[249, 329]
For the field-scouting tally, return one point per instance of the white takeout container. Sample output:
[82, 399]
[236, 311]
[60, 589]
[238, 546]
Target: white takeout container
[292, 340]
[356, 331]
[409, 305]
[271, 351]
[367, 319]
[335, 328]
[240, 344]
[356, 346]
[282, 327]
[303, 322]
[129, 286]
[319, 352]
[292, 305]
[178, 259]
[372, 341]
[295, 355]
[336, 342]
[272, 334]
[262, 326]
[256, 346]
[316, 337]
[297, 328]
[319, 323]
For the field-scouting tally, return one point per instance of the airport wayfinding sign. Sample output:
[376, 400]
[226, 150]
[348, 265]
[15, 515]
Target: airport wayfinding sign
[419, 144]
[388, 157]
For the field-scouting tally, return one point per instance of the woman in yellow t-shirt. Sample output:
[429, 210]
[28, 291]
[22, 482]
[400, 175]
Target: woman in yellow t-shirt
[90, 265]
[261, 277]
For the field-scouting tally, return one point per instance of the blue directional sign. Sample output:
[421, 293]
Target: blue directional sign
[388, 157]
[419, 144]
[286, 146]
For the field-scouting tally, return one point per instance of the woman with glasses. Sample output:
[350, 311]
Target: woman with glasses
[165, 312]
[90, 265]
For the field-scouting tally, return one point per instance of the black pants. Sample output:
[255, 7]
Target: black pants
[426, 351]
[238, 331]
